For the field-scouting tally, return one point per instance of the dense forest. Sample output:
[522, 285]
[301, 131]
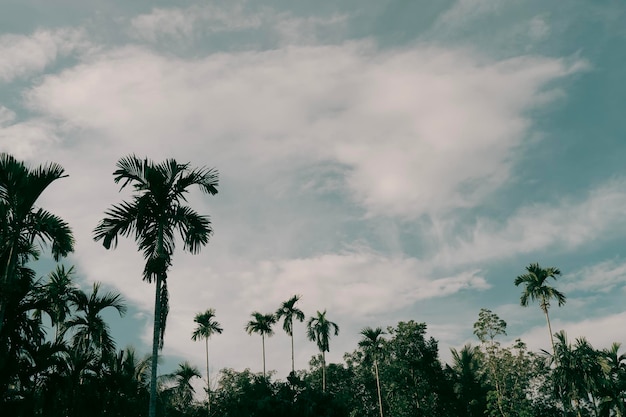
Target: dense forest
[58, 358]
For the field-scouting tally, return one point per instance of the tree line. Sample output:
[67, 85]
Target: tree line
[57, 356]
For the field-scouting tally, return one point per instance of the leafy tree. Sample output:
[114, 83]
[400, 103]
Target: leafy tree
[90, 331]
[22, 223]
[319, 330]
[206, 328]
[469, 380]
[613, 387]
[179, 392]
[288, 312]
[153, 215]
[261, 324]
[371, 343]
[489, 326]
[537, 289]
[59, 291]
[412, 374]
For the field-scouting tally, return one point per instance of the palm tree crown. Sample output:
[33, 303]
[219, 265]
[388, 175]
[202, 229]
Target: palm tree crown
[207, 327]
[536, 289]
[319, 329]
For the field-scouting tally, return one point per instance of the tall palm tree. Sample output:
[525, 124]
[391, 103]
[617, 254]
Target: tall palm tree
[91, 332]
[261, 324]
[156, 211]
[536, 289]
[288, 311]
[319, 329]
[372, 344]
[22, 223]
[207, 327]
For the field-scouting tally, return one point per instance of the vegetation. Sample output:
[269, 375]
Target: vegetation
[156, 211]
[58, 358]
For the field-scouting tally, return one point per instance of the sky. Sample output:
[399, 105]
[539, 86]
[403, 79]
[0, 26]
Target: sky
[387, 160]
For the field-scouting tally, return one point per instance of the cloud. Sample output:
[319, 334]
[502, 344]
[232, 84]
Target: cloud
[606, 276]
[566, 225]
[24, 55]
[416, 131]
[601, 332]
[184, 23]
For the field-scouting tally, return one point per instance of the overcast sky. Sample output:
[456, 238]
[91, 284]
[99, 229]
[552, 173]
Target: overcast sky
[387, 160]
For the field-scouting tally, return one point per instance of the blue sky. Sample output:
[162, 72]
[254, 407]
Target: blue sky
[388, 160]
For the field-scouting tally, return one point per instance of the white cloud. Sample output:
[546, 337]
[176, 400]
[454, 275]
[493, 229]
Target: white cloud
[601, 332]
[601, 277]
[464, 11]
[419, 131]
[567, 224]
[22, 55]
[183, 23]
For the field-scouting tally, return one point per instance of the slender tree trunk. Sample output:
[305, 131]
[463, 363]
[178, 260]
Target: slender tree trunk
[380, 400]
[323, 372]
[208, 377]
[156, 330]
[293, 368]
[263, 341]
[155, 348]
[544, 307]
[6, 288]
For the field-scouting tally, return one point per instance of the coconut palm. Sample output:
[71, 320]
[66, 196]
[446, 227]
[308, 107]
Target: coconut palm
[207, 327]
[90, 331]
[536, 289]
[157, 210]
[288, 312]
[22, 223]
[319, 329]
[372, 344]
[261, 324]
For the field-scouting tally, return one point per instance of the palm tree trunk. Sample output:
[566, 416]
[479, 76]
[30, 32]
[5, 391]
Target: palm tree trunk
[263, 341]
[6, 287]
[208, 378]
[323, 372]
[293, 368]
[380, 400]
[545, 311]
[155, 348]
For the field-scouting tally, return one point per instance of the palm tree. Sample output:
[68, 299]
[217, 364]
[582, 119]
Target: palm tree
[537, 289]
[319, 329]
[614, 386]
[91, 332]
[207, 327]
[261, 324]
[372, 344]
[155, 212]
[469, 380]
[289, 311]
[22, 223]
[59, 291]
[180, 394]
